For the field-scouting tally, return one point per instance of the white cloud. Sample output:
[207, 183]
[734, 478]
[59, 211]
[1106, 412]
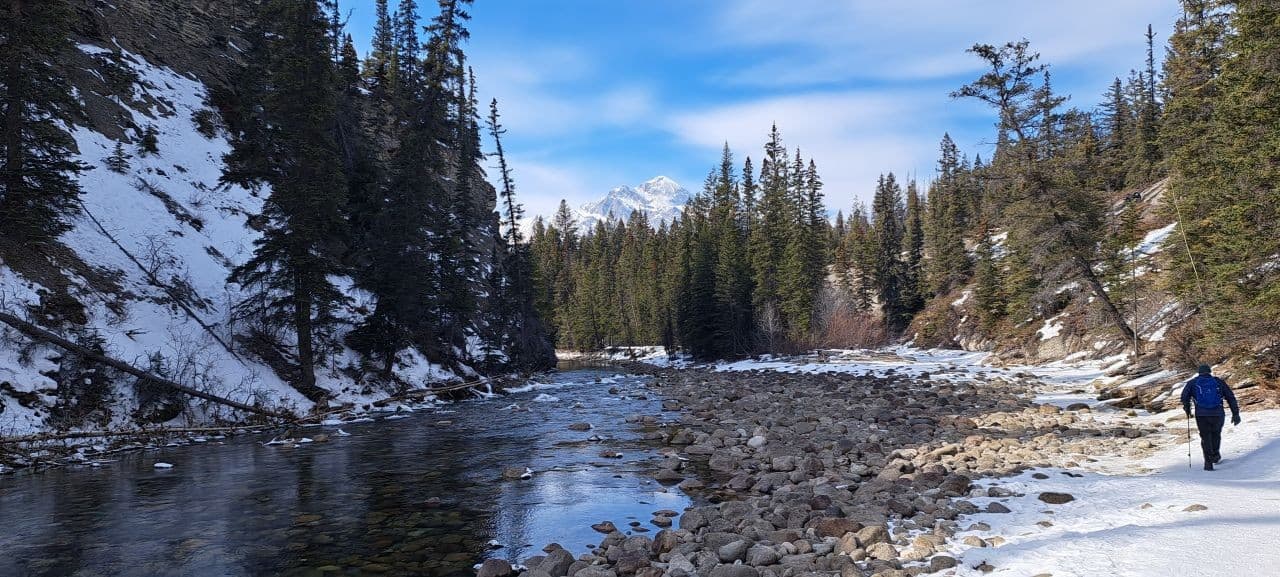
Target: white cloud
[557, 91]
[852, 136]
[822, 42]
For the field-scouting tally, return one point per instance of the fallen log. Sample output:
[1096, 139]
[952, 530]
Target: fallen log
[47, 437]
[38, 333]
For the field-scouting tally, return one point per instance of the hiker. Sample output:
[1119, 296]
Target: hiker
[1208, 392]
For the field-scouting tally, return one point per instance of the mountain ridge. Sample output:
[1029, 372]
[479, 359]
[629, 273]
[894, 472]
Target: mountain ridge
[660, 198]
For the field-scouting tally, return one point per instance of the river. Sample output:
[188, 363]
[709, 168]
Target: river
[419, 495]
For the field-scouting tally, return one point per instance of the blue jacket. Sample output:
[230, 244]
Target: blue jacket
[1208, 392]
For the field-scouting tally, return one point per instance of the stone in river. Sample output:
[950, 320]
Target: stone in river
[605, 527]
[1053, 498]
[494, 568]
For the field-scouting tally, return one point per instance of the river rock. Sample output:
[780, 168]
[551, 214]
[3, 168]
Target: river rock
[941, 563]
[882, 551]
[757, 441]
[762, 555]
[580, 427]
[495, 568]
[668, 476]
[836, 527]
[630, 562]
[557, 563]
[1053, 498]
[994, 507]
[734, 551]
[873, 534]
[605, 527]
[735, 571]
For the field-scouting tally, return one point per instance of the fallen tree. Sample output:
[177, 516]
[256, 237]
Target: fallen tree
[44, 335]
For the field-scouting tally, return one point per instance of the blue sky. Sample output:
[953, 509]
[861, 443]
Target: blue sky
[598, 93]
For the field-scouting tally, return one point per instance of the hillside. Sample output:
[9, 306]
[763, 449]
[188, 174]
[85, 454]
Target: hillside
[142, 274]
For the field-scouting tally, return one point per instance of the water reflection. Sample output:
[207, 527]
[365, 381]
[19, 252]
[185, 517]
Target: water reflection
[410, 496]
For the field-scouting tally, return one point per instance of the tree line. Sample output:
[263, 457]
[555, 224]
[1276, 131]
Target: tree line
[754, 264]
[375, 170]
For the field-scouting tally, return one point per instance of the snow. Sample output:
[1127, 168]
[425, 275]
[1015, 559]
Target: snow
[964, 297]
[162, 466]
[661, 199]
[1049, 331]
[1130, 518]
[545, 398]
[1129, 515]
[1154, 241]
[169, 212]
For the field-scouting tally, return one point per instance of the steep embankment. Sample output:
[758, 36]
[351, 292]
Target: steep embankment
[141, 276]
[1066, 324]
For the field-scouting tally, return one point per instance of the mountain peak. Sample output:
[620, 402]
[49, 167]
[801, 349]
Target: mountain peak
[660, 198]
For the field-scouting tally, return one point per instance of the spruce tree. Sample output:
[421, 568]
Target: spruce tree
[38, 189]
[1055, 222]
[913, 289]
[769, 230]
[287, 278]
[1229, 208]
[889, 272]
[528, 341]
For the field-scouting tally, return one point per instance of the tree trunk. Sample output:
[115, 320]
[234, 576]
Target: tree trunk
[1099, 291]
[306, 351]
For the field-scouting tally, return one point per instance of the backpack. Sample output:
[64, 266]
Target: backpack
[1206, 391]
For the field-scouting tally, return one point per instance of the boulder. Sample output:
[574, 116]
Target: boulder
[735, 551]
[557, 563]
[495, 568]
[735, 571]
[1053, 498]
[835, 526]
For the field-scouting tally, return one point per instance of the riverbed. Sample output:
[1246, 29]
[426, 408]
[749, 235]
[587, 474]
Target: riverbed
[420, 493]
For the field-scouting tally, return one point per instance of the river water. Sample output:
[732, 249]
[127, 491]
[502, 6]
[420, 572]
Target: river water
[363, 504]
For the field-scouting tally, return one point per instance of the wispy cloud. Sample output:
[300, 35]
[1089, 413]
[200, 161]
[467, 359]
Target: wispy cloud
[819, 42]
[853, 136]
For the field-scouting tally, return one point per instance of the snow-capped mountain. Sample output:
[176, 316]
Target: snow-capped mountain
[660, 198]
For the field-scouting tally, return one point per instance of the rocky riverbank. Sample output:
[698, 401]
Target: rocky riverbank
[843, 474]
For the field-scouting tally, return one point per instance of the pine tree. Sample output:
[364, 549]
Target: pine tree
[38, 190]
[1055, 221]
[1117, 122]
[889, 272]
[913, 289]
[377, 66]
[528, 341]
[732, 271]
[118, 161]
[1229, 196]
[287, 277]
[1195, 59]
[769, 230]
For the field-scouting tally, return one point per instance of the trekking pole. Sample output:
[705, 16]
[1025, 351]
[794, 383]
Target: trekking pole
[1188, 441]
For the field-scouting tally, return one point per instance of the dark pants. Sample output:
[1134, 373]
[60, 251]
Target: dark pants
[1211, 436]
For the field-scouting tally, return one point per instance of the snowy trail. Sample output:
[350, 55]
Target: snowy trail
[1138, 525]
[1129, 517]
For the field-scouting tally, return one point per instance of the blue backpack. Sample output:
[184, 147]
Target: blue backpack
[1206, 391]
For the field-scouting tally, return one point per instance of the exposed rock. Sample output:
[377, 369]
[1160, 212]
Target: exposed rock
[1053, 498]
[495, 568]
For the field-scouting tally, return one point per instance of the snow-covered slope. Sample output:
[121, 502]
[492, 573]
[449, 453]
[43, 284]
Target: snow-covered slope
[660, 199]
[146, 279]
